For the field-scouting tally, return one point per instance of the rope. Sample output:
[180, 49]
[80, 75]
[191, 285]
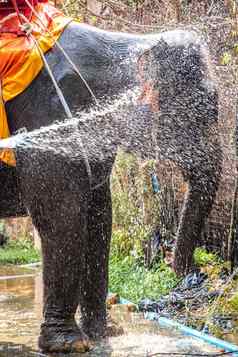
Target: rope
[67, 110]
[16, 8]
[75, 68]
[62, 100]
[27, 28]
[17, 11]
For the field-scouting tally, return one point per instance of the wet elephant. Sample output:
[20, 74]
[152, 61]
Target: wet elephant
[75, 222]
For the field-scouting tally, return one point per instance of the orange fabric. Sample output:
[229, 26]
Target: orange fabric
[20, 60]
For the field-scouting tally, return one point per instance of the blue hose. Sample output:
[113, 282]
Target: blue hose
[125, 302]
[168, 323]
[165, 322]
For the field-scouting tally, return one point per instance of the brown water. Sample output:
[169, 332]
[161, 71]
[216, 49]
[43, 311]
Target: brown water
[20, 317]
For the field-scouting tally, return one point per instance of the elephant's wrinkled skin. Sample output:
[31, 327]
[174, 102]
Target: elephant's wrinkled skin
[74, 223]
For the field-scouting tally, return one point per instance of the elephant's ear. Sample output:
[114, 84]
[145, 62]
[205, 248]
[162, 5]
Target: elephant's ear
[160, 50]
[149, 60]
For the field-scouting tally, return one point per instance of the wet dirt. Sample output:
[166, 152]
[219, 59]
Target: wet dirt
[20, 317]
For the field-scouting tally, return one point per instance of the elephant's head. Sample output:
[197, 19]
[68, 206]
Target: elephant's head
[171, 78]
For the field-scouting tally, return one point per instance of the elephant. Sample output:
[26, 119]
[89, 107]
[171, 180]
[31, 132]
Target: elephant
[73, 217]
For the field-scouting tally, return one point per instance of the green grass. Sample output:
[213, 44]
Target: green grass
[203, 258]
[134, 282]
[19, 252]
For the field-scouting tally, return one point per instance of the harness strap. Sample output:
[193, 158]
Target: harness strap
[21, 31]
[17, 11]
[25, 29]
[75, 68]
[63, 101]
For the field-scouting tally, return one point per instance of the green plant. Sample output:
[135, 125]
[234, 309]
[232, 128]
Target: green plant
[19, 251]
[202, 257]
[233, 302]
[135, 207]
[2, 227]
[134, 282]
[128, 243]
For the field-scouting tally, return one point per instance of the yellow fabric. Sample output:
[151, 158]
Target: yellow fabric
[20, 60]
[6, 155]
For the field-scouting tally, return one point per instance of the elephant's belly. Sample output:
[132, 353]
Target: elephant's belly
[10, 203]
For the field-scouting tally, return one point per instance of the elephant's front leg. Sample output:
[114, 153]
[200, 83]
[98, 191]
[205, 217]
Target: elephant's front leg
[59, 211]
[95, 284]
[197, 206]
[63, 258]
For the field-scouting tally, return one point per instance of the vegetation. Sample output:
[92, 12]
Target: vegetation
[134, 282]
[203, 258]
[19, 251]
[219, 315]
[136, 214]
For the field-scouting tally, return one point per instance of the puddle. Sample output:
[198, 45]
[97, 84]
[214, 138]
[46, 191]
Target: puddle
[20, 317]
[11, 270]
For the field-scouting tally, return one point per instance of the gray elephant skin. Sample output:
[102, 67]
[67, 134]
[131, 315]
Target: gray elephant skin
[75, 222]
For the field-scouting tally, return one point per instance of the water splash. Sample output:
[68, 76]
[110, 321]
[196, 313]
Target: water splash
[22, 305]
[102, 130]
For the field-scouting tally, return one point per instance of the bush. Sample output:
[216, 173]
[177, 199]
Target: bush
[136, 214]
[136, 208]
[19, 251]
[134, 282]
[203, 258]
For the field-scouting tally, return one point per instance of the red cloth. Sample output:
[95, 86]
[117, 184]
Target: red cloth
[6, 7]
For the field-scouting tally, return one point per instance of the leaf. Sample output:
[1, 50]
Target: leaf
[236, 48]
[94, 19]
[226, 58]
[234, 33]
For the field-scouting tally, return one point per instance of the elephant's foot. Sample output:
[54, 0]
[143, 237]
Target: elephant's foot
[63, 337]
[95, 329]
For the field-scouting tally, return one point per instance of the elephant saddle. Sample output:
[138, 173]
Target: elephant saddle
[23, 39]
